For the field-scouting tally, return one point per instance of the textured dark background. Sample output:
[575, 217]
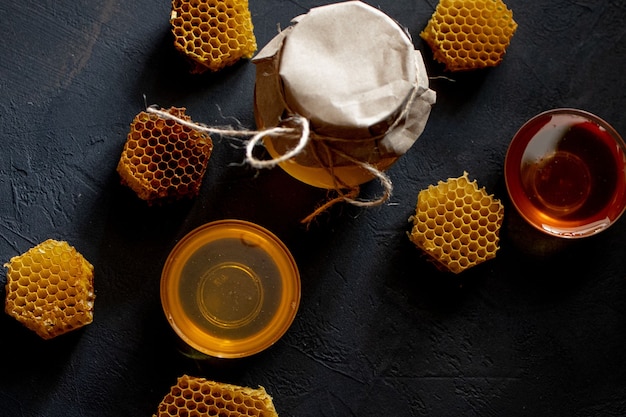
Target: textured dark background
[538, 331]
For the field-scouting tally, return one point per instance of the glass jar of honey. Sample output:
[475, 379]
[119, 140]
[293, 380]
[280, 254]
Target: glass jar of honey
[354, 74]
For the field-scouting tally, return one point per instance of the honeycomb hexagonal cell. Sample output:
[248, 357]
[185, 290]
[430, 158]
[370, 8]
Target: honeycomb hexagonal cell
[199, 397]
[49, 289]
[213, 33]
[163, 159]
[469, 34]
[457, 224]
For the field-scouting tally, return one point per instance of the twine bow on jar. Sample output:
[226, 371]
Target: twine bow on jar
[295, 128]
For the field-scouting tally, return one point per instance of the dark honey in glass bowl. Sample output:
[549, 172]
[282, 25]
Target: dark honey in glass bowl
[565, 171]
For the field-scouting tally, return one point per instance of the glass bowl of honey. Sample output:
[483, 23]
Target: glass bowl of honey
[565, 171]
[230, 289]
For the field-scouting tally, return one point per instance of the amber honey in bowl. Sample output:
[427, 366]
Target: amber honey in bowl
[565, 171]
[230, 289]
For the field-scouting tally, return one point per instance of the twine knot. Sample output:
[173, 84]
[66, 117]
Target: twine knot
[299, 127]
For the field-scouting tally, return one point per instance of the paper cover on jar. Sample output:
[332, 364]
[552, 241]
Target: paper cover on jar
[353, 72]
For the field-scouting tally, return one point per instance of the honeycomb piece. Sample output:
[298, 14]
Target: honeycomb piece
[199, 397]
[469, 34]
[213, 33]
[163, 159]
[457, 224]
[49, 289]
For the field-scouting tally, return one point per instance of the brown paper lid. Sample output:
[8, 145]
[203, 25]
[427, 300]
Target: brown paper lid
[354, 73]
[347, 67]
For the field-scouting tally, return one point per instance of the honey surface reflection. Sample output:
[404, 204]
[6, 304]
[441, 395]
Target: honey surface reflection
[225, 297]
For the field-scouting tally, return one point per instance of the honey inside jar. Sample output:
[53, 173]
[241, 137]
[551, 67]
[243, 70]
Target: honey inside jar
[324, 174]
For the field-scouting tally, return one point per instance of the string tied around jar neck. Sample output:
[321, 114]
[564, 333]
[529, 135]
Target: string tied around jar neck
[294, 127]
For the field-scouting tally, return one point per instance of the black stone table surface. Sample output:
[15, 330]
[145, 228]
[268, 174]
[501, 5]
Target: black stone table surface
[538, 331]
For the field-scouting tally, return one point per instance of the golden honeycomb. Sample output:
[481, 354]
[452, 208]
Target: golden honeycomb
[49, 289]
[199, 397]
[163, 159]
[469, 34]
[213, 33]
[457, 224]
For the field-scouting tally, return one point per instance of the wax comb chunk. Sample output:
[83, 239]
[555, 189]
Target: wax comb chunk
[163, 159]
[469, 34]
[213, 34]
[49, 289]
[199, 397]
[457, 224]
